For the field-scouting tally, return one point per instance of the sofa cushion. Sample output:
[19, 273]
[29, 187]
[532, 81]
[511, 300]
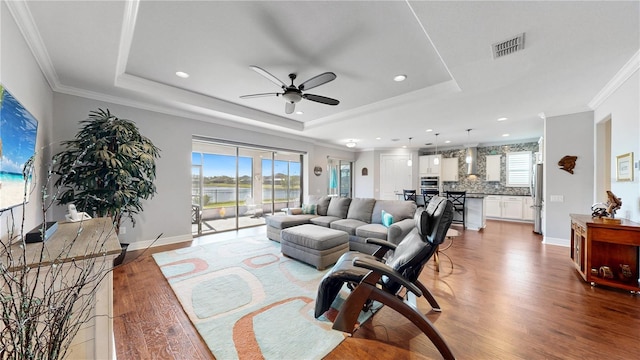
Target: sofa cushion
[322, 203]
[324, 220]
[347, 225]
[339, 207]
[361, 209]
[377, 231]
[309, 209]
[399, 209]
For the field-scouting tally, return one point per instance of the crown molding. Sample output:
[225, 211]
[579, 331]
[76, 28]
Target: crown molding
[129, 19]
[27, 26]
[623, 75]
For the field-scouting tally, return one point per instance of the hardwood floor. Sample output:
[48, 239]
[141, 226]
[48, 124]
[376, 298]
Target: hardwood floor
[508, 296]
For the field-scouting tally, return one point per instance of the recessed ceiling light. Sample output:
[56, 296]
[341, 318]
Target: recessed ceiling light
[429, 130]
[404, 146]
[502, 119]
[447, 141]
[400, 77]
[182, 74]
[505, 135]
[378, 138]
[299, 112]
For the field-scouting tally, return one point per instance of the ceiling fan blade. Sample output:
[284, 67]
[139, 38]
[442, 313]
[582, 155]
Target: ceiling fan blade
[268, 75]
[258, 95]
[289, 107]
[321, 99]
[317, 81]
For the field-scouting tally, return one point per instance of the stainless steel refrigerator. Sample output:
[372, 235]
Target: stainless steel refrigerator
[537, 195]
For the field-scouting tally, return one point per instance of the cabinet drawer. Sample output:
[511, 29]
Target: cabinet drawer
[618, 236]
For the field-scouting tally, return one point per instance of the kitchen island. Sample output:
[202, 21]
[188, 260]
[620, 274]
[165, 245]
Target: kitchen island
[475, 215]
[475, 210]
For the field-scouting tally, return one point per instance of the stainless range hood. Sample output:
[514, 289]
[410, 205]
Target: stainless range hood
[471, 158]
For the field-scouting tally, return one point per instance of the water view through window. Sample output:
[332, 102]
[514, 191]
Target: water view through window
[235, 187]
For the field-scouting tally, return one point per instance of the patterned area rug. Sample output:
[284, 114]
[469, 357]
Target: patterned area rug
[249, 301]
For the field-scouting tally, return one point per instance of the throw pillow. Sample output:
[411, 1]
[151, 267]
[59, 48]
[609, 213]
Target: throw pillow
[309, 209]
[387, 219]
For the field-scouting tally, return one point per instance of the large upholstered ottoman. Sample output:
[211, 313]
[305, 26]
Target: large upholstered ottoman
[314, 245]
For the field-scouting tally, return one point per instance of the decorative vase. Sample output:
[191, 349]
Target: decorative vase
[605, 272]
[120, 258]
[625, 272]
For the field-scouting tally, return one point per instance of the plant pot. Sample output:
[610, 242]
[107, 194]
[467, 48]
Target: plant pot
[118, 260]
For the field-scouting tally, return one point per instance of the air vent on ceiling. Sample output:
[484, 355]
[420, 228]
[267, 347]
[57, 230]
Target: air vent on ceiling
[509, 46]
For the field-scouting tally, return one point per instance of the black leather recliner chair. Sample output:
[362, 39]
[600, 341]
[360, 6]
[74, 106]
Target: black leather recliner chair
[400, 270]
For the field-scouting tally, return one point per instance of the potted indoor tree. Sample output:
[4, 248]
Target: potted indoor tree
[107, 169]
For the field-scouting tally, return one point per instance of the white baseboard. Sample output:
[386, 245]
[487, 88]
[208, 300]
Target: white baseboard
[140, 245]
[556, 241]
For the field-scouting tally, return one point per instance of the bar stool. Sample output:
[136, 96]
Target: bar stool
[458, 198]
[451, 234]
[427, 194]
[409, 195]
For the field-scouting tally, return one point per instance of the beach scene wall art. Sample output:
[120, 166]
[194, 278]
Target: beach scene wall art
[18, 131]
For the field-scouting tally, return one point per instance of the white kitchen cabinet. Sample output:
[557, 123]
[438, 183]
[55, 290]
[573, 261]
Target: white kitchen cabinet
[527, 210]
[450, 169]
[512, 207]
[493, 205]
[509, 207]
[428, 167]
[493, 167]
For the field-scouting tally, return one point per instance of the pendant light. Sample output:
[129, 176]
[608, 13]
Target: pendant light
[410, 161]
[468, 157]
[471, 157]
[436, 160]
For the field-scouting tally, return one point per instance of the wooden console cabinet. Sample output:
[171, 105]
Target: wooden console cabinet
[596, 243]
[73, 245]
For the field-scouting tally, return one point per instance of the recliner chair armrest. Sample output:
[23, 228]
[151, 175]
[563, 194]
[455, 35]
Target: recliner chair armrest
[397, 231]
[385, 246]
[380, 242]
[387, 271]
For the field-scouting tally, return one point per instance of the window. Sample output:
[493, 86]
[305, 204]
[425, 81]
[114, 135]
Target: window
[234, 185]
[519, 169]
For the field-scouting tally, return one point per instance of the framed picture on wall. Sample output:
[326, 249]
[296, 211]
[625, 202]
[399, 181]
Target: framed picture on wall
[624, 167]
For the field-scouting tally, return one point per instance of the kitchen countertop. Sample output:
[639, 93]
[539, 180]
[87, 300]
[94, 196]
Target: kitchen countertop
[482, 195]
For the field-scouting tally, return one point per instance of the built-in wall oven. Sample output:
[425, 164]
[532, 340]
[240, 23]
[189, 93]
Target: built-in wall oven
[430, 182]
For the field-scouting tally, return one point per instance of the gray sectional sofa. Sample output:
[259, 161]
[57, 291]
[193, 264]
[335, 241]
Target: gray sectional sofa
[360, 218]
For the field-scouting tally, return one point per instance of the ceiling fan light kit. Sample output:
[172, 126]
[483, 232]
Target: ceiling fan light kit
[293, 94]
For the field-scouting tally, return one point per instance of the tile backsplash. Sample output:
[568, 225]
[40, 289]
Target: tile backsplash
[477, 184]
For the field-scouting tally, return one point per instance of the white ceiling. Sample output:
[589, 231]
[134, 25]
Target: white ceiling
[128, 53]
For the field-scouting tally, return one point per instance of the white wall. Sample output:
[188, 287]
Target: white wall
[567, 135]
[622, 106]
[21, 75]
[319, 185]
[169, 212]
[364, 185]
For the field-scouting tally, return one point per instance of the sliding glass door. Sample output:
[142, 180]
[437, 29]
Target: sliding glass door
[282, 180]
[235, 186]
